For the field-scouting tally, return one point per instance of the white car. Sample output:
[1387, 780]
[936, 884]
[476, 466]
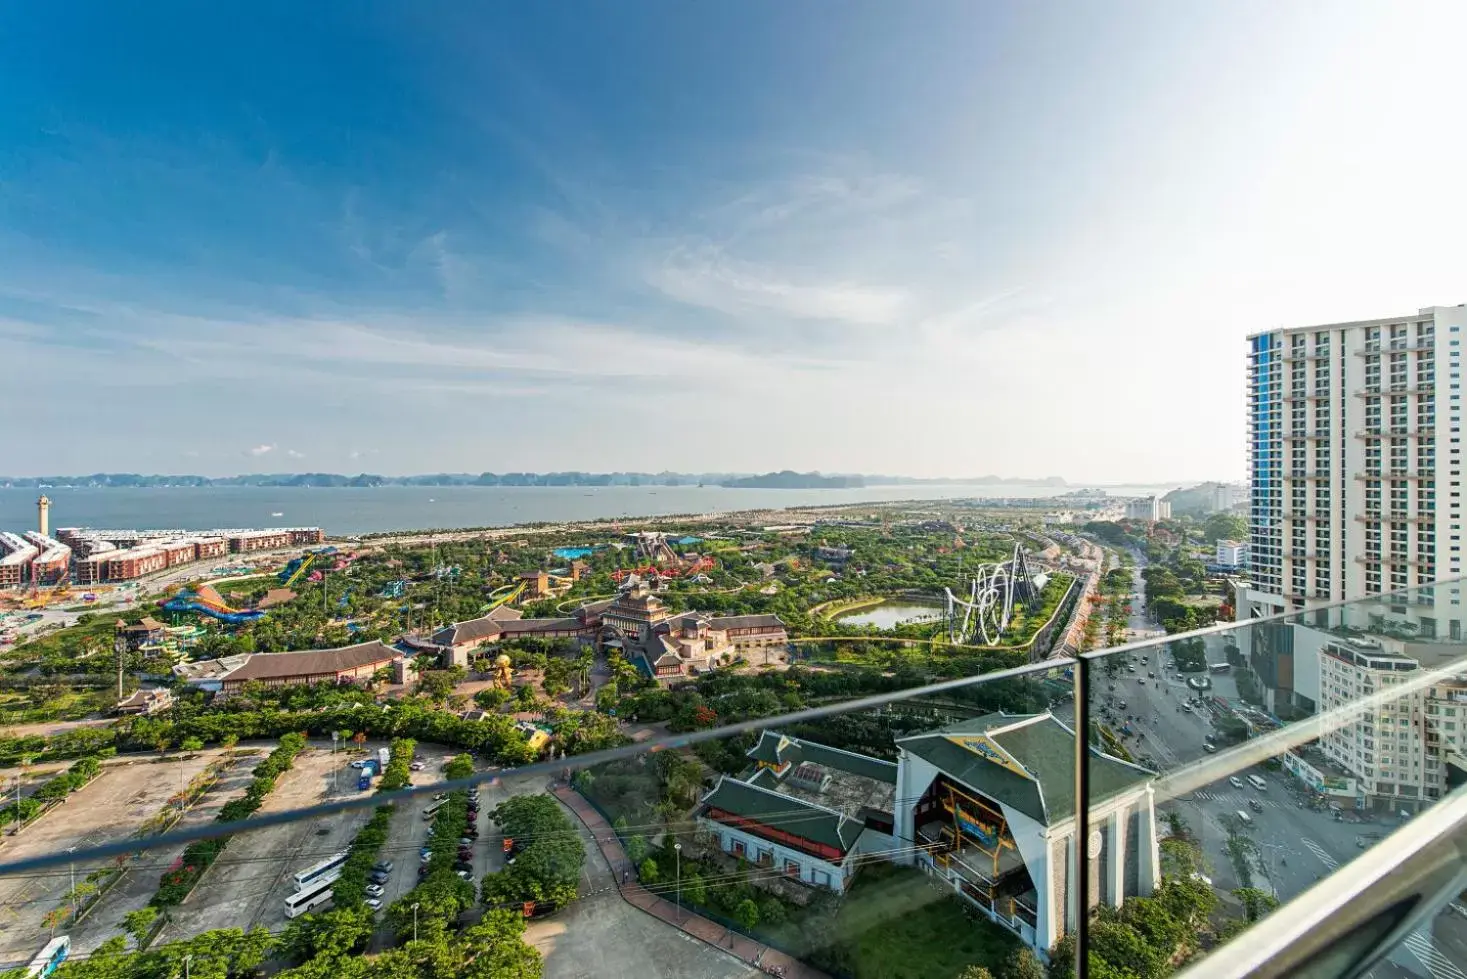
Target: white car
[1235, 781]
[373, 903]
[375, 890]
[417, 766]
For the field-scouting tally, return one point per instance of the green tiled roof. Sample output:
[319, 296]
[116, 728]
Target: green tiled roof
[796, 751]
[813, 823]
[1042, 746]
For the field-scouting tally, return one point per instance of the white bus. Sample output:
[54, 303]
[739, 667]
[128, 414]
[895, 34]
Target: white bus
[1257, 782]
[48, 958]
[1219, 667]
[331, 865]
[316, 895]
[432, 810]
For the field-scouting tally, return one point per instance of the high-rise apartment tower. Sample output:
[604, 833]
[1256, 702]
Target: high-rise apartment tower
[1355, 458]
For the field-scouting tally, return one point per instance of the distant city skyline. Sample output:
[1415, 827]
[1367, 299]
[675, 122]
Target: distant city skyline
[969, 239]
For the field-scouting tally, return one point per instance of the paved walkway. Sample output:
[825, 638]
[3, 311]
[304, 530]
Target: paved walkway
[752, 952]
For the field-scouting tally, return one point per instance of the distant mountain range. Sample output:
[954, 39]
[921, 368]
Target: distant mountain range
[787, 479]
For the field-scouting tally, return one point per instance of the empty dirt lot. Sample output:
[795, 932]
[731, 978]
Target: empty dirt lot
[109, 809]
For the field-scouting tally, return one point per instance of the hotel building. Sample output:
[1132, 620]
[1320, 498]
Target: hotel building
[1355, 456]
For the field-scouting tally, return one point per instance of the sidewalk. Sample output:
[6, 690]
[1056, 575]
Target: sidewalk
[751, 951]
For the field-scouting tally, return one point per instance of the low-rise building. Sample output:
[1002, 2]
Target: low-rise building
[988, 808]
[144, 632]
[1232, 553]
[16, 554]
[135, 562]
[52, 566]
[145, 702]
[804, 810]
[209, 674]
[344, 665]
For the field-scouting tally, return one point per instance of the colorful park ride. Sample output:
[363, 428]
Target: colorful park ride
[207, 601]
[689, 568]
[292, 572]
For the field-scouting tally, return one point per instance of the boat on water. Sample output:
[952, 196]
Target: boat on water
[277, 513]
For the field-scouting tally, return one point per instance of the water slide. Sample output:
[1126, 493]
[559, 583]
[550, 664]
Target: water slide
[503, 595]
[295, 569]
[207, 602]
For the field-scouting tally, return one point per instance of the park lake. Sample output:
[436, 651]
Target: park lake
[889, 615]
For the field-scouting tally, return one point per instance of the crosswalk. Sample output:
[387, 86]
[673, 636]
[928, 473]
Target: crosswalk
[1324, 857]
[1429, 956]
[1238, 800]
[1418, 944]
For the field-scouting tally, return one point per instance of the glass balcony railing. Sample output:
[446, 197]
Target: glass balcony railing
[1187, 803]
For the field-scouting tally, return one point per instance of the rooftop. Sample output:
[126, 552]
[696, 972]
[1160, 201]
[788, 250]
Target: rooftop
[313, 662]
[1025, 761]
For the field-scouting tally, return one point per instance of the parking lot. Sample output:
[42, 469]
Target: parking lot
[111, 808]
[247, 885]
[409, 830]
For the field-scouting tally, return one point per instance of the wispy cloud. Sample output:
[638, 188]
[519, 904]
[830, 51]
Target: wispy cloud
[295, 454]
[706, 276]
[260, 450]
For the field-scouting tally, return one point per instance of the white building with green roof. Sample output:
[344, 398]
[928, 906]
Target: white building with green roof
[804, 810]
[988, 806]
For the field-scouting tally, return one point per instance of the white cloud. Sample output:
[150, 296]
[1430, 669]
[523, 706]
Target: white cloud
[294, 454]
[706, 276]
[261, 450]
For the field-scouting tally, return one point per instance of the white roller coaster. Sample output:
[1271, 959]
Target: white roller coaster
[992, 593]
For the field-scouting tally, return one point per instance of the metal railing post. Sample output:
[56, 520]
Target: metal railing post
[1081, 843]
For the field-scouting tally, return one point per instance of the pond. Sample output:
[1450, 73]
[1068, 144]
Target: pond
[889, 615]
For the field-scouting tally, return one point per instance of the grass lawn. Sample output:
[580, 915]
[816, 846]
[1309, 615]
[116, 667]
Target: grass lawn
[894, 925]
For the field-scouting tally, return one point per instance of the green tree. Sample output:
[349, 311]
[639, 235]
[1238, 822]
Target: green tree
[1256, 903]
[975, 972]
[1021, 963]
[648, 872]
[138, 923]
[191, 744]
[747, 914]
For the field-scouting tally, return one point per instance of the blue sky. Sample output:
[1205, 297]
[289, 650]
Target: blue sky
[935, 239]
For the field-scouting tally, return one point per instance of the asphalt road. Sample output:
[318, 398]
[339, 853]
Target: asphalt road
[1298, 846]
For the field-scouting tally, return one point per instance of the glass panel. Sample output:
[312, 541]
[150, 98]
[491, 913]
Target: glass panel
[1282, 750]
[880, 833]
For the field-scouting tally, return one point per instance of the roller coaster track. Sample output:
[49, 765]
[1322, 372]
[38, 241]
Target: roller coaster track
[989, 608]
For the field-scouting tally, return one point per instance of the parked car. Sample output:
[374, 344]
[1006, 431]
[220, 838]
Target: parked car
[465, 841]
[378, 877]
[373, 903]
[375, 890]
[1255, 805]
[416, 766]
[385, 866]
[1209, 748]
[1235, 781]
[465, 875]
[440, 797]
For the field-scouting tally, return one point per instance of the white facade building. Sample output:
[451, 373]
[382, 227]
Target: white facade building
[1148, 508]
[1232, 553]
[1355, 456]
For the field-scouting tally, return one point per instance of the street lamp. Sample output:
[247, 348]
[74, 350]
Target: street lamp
[677, 852]
[71, 864]
[186, 960]
[415, 921]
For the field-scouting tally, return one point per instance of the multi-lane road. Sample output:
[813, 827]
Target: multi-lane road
[1298, 846]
